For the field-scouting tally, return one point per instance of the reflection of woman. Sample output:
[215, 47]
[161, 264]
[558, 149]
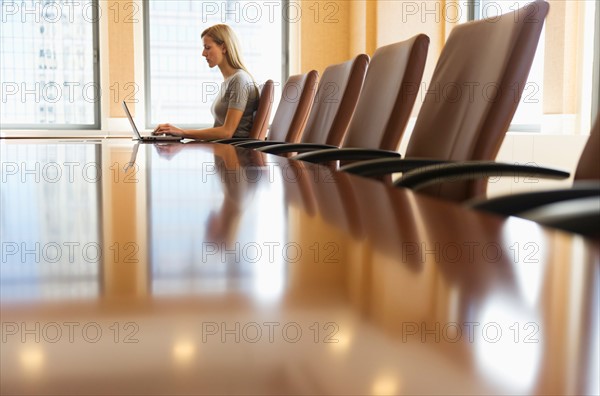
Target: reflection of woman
[237, 100]
[222, 224]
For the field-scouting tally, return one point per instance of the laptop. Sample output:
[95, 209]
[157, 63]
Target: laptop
[151, 138]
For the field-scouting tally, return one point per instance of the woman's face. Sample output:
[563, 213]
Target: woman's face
[213, 52]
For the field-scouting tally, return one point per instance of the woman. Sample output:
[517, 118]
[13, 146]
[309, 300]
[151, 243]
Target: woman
[234, 106]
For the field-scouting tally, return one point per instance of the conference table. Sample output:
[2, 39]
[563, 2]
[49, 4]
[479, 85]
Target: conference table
[203, 268]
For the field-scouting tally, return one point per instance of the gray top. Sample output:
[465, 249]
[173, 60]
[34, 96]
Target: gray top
[237, 92]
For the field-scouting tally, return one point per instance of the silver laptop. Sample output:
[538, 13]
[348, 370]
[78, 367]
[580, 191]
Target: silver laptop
[151, 138]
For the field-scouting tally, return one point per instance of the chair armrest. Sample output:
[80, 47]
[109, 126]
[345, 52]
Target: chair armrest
[473, 170]
[580, 215]
[257, 143]
[513, 204]
[231, 140]
[383, 166]
[343, 154]
[295, 148]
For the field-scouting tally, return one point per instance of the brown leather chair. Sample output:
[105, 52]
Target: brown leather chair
[263, 112]
[386, 101]
[335, 102]
[588, 167]
[290, 118]
[472, 97]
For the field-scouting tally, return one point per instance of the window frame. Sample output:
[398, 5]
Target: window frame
[596, 69]
[285, 67]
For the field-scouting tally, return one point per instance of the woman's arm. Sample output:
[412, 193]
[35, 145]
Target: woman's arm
[232, 120]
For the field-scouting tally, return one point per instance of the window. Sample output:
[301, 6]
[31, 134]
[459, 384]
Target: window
[48, 67]
[180, 88]
[558, 95]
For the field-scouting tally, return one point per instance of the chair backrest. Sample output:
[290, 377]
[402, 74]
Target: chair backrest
[335, 101]
[263, 112]
[475, 91]
[294, 107]
[588, 167]
[388, 95]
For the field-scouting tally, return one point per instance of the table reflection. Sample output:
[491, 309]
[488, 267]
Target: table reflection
[317, 281]
[50, 230]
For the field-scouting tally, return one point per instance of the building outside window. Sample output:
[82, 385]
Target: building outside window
[49, 64]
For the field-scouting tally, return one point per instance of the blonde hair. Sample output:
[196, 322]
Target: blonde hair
[223, 34]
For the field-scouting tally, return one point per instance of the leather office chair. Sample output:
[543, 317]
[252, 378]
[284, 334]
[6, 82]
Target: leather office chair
[473, 95]
[263, 112]
[383, 110]
[292, 112]
[588, 167]
[335, 101]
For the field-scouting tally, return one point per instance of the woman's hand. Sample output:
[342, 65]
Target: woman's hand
[168, 129]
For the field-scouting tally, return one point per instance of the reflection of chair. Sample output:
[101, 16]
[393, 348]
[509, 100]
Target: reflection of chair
[472, 98]
[384, 106]
[339, 89]
[292, 112]
[263, 112]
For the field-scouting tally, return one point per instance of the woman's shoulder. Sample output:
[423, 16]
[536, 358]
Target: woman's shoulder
[242, 76]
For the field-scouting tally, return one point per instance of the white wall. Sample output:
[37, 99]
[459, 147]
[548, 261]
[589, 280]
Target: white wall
[557, 151]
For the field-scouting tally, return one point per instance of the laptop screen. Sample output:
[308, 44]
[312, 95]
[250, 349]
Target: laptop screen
[135, 130]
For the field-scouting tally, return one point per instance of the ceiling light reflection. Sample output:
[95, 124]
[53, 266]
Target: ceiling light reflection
[32, 360]
[340, 342]
[184, 351]
[385, 385]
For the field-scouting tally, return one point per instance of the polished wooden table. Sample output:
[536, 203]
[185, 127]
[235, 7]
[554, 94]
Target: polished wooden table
[202, 268]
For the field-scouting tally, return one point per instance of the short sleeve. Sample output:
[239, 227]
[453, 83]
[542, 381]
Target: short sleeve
[239, 92]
